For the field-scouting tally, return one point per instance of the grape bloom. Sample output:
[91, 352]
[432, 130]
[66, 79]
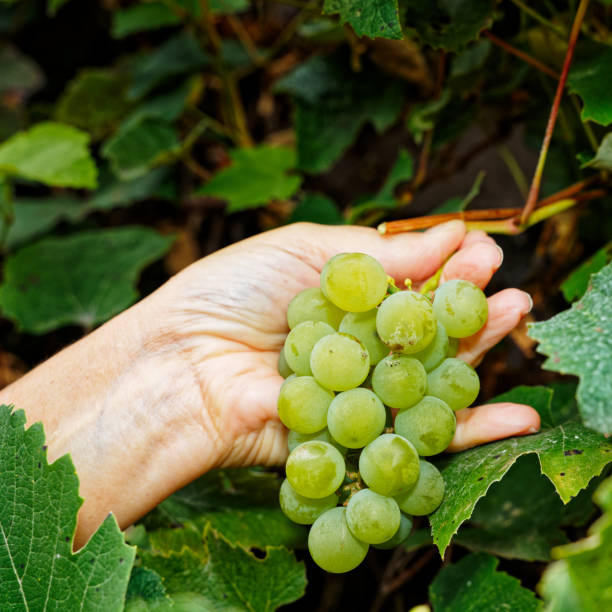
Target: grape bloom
[372, 388]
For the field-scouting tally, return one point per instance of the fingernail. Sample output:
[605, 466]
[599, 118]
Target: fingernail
[530, 302]
[501, 255]
[532, 430]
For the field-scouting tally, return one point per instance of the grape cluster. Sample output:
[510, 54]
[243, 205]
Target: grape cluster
[372, 386]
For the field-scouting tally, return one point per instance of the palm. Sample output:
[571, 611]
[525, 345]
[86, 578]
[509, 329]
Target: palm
[235, 331]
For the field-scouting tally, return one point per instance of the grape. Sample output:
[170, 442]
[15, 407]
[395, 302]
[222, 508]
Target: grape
[356, 417]
[362, 325]
[295, 439]
[405, 322]
[453, 347]
[315, 469]
[426, 495]
[461, 307]
[332, 545]
[430, 425]
[400, 381]
[339, 362]
[403, 531]
[300, 509]
[299, 343]
[283, 367]
[303, 404]
[371, 517]
[354, 282]
[437, 350]
[455, 382]
[312, 305]
[389, 464]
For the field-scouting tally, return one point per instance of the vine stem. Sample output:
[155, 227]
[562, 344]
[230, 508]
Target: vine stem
[549, 24]
[532, 61]
[534, 190]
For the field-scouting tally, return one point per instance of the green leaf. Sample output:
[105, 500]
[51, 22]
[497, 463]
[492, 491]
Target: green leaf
[317, 208]
[242, 505]
[37, 522]
[145, 584]
[570, 456]
[167, 106]
[333, 105]
[475, 584]
[577, 282]
[229, 577]
[603, 157]
[84, 279]
[138, 145]
[581, 579]
[94, 101]
[423, 117]
[448, 24]
[470, 60]
[18, 73]
[579, 341]
[589, 78]
[374, 19]
[520, 517]
[178, 56]
[52, 153]
[255, 177]
[141, 17]
[228, 7]
[54, 5]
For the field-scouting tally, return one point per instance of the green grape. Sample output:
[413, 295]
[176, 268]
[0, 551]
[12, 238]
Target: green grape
[430, 425]
[453, 347]
[461, 307]
[362, 325]
[295, 439]
[312, 305]
[299, 343]
[371, 517]
[315, 469]
[283, 367]
[339, 362]
[303, 404]
[389, 465]
[354, 282]
[405, 322]
[403, 531]
[303, 510]
[400, 381]
[455, 382]
[356, 417]
[331, 544]
[426, 495]
[437, 350]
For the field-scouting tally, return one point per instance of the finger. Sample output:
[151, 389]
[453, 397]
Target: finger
[411, 255]
[476, 262]
[506, 309]
[493, 422]
[474, 236]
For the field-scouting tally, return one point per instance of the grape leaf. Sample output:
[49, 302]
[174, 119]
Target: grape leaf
[588, 78]
[317, 209]
[95, 101]
[52, 153]
[85, 278]
[37, 523]
[140, 144]
[229, 576]
[140, 17]
[447, 24]
[255, 177]
[577, 282]
[570, 455]
[333, 105]
[603, 157]
[145, 585]
[475, 584]
[373, 19]
[580, 580]
[579, 341]
[227, 7]
[18, 72]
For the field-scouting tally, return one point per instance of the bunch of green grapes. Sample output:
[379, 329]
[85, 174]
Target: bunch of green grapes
[372, 386]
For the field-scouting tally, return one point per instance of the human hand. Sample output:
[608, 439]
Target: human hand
[226, 317]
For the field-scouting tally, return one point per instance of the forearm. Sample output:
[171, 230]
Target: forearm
[124, 410]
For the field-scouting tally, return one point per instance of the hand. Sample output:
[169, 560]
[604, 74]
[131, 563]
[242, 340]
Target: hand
[227, 314]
